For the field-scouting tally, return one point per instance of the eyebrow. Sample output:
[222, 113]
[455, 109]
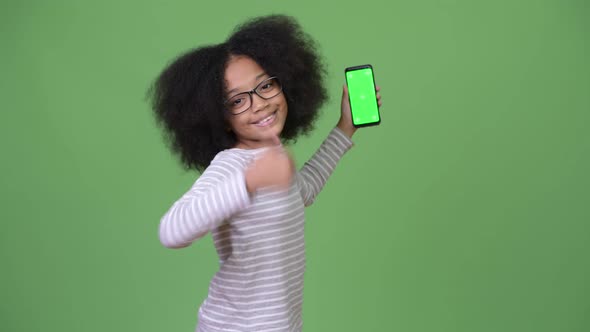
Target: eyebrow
[256, 79]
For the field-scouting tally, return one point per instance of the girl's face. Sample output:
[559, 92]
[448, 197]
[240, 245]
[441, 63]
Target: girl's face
[259, 125]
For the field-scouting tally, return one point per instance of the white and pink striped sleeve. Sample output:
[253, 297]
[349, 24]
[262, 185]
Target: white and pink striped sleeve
[219, 193]
[313, 175]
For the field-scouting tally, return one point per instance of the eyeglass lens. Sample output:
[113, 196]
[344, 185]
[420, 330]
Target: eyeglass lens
[241, 102]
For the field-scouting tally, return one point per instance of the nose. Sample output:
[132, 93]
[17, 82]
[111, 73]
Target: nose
[258, 103]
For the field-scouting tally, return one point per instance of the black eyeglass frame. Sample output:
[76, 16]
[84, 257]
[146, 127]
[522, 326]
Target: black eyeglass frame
[256, 92]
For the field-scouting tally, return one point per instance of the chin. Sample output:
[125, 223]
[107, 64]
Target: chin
[271, 134]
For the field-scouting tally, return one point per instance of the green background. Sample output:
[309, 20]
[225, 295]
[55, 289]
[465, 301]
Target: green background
[476, 182]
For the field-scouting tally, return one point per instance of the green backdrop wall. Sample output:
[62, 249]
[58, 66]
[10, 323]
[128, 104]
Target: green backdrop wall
[477, 179]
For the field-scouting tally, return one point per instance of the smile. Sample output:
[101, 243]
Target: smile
[267, 121]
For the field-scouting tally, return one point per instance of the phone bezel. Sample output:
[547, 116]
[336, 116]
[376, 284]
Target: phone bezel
[353, 68]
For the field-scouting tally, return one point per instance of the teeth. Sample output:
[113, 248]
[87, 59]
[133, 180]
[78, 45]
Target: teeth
[265, 119]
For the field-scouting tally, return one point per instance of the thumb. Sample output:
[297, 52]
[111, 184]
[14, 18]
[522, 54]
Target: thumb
[344, 92]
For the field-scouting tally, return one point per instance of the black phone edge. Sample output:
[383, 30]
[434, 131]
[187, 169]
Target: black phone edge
[368, 124]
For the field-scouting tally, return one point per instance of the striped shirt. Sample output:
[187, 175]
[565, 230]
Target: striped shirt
[258, 237]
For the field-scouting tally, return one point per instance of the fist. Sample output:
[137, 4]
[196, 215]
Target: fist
[275, 168]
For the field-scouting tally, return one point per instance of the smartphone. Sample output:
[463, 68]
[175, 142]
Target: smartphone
[362, 96]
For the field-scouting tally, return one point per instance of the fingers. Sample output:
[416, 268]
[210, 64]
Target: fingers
[379, 102]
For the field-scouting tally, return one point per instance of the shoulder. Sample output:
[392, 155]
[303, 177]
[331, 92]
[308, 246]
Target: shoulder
[230, 161]
[224, 167]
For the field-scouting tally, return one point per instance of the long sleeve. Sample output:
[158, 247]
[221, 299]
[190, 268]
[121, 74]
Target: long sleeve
[313, 175]
[219, 193]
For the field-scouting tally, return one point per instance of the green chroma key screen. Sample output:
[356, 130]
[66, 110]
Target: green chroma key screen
[363, 99]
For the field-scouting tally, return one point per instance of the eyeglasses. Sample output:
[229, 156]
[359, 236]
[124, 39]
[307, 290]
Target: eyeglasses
[241, 102]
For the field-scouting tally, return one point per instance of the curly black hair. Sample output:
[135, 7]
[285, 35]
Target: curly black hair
[187, 97]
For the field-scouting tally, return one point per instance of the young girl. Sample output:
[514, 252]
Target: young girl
[226, 109]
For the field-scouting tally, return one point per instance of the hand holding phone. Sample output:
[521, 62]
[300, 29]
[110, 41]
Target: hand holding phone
[362, 95]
